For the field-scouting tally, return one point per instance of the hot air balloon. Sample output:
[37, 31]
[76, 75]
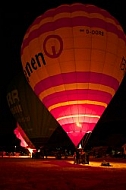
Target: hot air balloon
[33, 119]
[74, 57]
[24, 140]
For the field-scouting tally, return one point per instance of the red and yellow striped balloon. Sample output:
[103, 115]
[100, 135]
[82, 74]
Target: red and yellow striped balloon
[73, 57]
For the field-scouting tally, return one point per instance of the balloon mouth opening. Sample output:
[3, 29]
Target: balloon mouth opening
[78, 131]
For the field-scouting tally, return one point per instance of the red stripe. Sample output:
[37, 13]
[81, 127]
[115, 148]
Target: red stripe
[85, 126]
[72, 22]
[76, 77]
[77, 109]
[72, 121]
[72, 8]
[78, 94]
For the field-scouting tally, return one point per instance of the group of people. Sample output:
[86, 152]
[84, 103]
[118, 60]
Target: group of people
[81, 157]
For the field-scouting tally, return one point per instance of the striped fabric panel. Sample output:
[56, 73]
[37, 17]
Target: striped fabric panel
[79, 95]
[73, 126]
[90, 9]
[72, 21]
[78, 112]
[68, 22]
[76, 77]
[85, 100]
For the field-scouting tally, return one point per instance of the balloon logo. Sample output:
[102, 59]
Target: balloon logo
[54, 53]
[71, 57]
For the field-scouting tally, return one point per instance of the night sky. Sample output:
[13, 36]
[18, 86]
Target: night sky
[16, 18]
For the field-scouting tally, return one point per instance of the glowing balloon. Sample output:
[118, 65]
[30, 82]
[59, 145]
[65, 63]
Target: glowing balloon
[33, 117]
[72, 57]
[24, 140]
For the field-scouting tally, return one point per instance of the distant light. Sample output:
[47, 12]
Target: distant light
[80, 146]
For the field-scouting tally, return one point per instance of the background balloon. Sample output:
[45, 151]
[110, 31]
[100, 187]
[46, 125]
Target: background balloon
[35, 120]
[74, 59]
[24, 140]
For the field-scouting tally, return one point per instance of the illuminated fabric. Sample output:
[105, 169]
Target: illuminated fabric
[72, 57]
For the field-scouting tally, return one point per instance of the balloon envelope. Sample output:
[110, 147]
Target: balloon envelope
[72, 57]
[24, 140]
[32, 116]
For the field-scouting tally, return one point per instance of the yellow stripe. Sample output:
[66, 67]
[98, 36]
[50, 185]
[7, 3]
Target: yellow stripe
[77, 102]
[80, 115]
[74, 86]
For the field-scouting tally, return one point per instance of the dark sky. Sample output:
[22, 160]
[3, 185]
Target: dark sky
[16, 18]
